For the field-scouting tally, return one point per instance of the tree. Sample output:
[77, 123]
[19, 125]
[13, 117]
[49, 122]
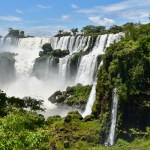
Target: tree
[21, 32]
[10, 29]
[115, 29]
[90, 29]
[99, 29]
[13, 32]
[65, 33]
[60, 32]
[47, 48]
[74, 31]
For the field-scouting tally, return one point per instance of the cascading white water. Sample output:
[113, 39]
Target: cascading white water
[47, 68]
[111, 137]
[27, 50]
[63, 67]
[88, 62]
[92, 97]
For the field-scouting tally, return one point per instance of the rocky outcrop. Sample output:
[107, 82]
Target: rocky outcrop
[45, 64]
[7, 68]
[76, 96]
[59, 53]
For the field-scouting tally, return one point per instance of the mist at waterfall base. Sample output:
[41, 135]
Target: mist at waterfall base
[24, 84]
[27, 50]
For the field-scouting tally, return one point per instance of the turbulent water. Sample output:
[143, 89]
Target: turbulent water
[53, 79]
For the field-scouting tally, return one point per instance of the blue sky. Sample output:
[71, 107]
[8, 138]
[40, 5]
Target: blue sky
[46, 17]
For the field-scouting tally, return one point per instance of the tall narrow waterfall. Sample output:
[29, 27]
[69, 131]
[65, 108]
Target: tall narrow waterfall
[111, 137]
[92, 97]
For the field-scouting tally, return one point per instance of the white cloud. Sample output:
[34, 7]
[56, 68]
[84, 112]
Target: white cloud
[101, 21]
[120, 6]
[128, 9]
[43, 6]
[74, 6]
[10, 18]
[65, 17]
[19, 11]
[135, 15]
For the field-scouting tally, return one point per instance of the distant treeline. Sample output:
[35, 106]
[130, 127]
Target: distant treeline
[91, 30]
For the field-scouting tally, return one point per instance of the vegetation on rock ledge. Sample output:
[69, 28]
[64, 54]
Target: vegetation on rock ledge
[75, 96]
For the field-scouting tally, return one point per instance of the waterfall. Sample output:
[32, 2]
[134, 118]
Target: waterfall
[48, 63]
[87, 65]
[92, 97]
[54, 77]
[27, 51]
[63, 67]
[90, 103]
[111, 136]
[97, 49]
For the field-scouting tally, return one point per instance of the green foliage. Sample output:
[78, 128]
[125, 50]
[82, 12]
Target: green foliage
[93, 29]
[47, 48]
[18, 130]
[126, 66]
[48, 51]
[15, 33]
[75, 96]
[7, 104]
[74, 31]
[63, 33]
[115, 29]
[53, 119]
[75, 131]
[78, 95]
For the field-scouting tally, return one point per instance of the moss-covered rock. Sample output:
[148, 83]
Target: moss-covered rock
[75, 96]
[59, 53]
[53, 119]
[73, 116]
[89, 118]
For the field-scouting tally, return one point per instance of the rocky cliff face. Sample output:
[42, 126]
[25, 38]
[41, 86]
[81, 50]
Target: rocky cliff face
[7, 68]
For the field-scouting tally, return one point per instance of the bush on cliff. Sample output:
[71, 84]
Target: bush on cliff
[75, 96]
